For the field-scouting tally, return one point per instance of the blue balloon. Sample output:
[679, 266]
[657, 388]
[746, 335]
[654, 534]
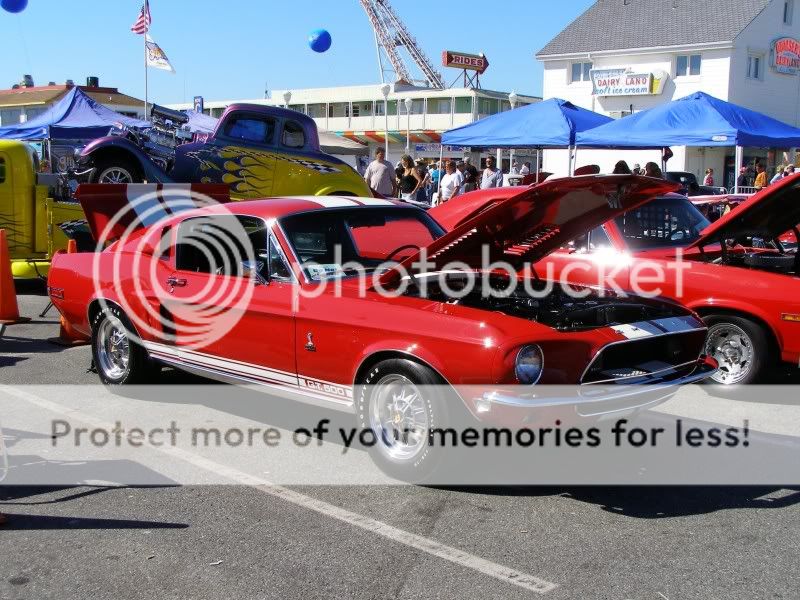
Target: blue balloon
[319, 40]
[14, 6]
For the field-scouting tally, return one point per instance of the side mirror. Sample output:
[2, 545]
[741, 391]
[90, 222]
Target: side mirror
[253, 270]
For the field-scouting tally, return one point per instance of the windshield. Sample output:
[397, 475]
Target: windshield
[341, 242]
[661, 222]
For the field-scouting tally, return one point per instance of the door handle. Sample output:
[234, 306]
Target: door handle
[174, 282]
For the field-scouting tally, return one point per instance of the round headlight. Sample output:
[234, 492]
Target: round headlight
[529, 364]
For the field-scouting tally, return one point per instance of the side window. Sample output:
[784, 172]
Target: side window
[2, 170]
[251, 129]
[293, 135]
[218, 245]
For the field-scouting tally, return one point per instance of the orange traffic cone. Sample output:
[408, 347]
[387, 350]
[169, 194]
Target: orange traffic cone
[67, 336]
[9, 311]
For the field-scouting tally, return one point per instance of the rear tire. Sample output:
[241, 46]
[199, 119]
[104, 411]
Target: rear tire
[116, 170]
[400, 401]
[740, 346]
[118, 356]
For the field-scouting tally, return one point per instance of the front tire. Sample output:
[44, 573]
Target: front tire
[401, 401]
[118, 356]
[740, 346]
[116, 171]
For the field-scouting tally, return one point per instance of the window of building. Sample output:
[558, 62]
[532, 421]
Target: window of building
[32, 112]
[788, 10]
[464, 105]
[687, 64]
[316, 111]
[362, 108]
[298, 107]
[439, 106]
[293, 135]
[755, 66]
[259, 130]
[581, 71]
[488, 106]
[339, 109]
[417, 106]
[10, 116]
[391, 105]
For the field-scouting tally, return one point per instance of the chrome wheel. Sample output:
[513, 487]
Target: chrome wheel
[113, 348]
[115, 175]
[399, 417]
[732, 348]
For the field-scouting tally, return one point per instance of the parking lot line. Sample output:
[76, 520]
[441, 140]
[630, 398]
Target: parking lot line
[412, 540]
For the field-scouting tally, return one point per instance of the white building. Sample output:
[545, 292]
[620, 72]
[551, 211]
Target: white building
[360, 113]
[676, 47]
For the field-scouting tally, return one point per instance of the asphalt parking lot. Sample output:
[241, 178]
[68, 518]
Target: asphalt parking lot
[246, 541]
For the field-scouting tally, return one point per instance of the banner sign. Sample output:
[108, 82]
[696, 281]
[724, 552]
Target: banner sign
[198, 104]
[784, 56]
[462, 60]
[438, 147]
[622, 82]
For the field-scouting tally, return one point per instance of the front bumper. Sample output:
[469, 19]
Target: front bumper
[589, 400]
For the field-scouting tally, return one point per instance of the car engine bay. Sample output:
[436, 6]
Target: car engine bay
[550, 303]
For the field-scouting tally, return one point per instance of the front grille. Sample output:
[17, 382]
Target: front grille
[647, 359]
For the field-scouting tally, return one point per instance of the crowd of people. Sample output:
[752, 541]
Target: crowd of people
[430, 182]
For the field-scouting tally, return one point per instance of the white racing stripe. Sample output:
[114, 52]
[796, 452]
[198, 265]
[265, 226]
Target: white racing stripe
[328, 201]
[375, 202]
[454, 555]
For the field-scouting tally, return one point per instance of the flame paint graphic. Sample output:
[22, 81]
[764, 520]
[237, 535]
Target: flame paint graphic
[249, 173]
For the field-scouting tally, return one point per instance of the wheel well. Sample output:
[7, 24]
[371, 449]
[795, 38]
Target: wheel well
[705, 311]
[374, 359]
[111, 154]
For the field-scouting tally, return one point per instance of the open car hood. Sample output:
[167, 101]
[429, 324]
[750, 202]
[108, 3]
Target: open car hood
[767, 214]
[111, 209]
[526, 226]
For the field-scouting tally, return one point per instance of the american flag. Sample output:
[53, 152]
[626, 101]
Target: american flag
[142, 24]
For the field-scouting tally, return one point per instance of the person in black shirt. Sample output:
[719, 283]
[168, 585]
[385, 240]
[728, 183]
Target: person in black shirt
[410, 180]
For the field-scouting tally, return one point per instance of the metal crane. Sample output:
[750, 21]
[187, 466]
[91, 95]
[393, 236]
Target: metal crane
[392, 34]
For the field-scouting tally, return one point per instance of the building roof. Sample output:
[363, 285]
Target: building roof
[622, 24]
[47, 94]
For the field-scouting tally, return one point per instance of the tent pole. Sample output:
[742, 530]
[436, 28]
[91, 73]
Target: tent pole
[537, 165]
[574, 160]
[144, 41]
[739, 159]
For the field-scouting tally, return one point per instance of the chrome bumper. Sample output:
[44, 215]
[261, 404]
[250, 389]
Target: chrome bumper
[597, 399]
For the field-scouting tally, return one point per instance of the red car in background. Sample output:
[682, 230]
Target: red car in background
[743, 274]
[377, 354]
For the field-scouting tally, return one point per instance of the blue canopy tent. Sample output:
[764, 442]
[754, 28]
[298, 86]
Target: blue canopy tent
[201, 122]
[696, 120]
[552, 123]
[76, 116]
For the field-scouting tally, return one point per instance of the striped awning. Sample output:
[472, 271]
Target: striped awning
[418, 136]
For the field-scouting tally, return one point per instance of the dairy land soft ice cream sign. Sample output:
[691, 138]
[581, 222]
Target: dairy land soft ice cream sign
[785, 56]
[623, 82]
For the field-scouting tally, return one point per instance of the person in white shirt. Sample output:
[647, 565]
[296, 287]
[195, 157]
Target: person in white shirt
[526, 169]
[450, 183]
[380, 175]
[491, 177]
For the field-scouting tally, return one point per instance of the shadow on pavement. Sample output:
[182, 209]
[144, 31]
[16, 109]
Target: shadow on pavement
[656, 502]
[33, 522]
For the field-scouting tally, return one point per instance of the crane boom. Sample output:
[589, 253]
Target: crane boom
[391, 34]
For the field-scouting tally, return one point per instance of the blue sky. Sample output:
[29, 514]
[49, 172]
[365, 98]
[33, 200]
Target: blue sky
[230, 48]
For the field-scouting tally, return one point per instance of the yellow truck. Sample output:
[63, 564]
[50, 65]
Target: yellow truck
[29, 217]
